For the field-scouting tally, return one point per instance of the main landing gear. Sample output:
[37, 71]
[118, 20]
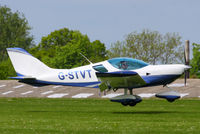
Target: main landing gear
[127, 99]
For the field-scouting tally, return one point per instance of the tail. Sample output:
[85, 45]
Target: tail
[25, 64]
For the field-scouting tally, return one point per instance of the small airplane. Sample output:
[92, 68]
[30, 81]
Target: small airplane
[113, 74]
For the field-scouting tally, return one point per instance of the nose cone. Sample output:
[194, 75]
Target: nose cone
[186, 67]
[183, 68]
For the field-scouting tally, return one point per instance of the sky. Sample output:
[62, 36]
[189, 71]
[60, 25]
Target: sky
[110, 20]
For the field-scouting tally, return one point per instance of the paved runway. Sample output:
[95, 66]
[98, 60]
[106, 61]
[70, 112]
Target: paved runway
[12, 88]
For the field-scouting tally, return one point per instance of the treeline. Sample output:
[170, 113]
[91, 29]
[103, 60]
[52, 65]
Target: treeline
[14, 32]
[62, 48]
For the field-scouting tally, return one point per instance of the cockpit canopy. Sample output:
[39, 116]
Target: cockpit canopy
[127, 63]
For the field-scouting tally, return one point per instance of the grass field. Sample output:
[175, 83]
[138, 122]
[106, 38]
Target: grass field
[31, 115]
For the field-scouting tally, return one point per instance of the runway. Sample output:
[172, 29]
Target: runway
[12, 88]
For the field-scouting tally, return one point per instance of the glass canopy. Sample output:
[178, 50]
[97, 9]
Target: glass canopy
[100, 68]
[127, 63]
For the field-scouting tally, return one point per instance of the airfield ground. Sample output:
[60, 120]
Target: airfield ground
[26, 109]
[98, 116]
[12, 88]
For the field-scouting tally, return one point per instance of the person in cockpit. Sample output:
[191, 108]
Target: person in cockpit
[123, 65]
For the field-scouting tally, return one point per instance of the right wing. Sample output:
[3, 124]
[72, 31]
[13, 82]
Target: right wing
[119, 79]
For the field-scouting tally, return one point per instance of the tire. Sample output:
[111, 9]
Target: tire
[124, 103]
[171, 100]
[132, 104]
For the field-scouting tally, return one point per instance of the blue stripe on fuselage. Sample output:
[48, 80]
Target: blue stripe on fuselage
[159, 79]
[78, 84]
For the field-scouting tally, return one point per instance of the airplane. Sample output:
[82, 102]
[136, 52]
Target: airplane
[113, 74]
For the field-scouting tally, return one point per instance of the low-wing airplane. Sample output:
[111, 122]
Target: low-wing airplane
[112, 74]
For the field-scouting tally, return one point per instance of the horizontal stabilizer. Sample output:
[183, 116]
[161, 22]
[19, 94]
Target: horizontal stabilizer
[22, 78]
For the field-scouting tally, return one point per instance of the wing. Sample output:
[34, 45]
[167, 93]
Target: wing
[119, 79]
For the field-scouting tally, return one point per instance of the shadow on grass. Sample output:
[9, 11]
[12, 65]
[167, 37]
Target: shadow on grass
[115, 112]
[149, 112]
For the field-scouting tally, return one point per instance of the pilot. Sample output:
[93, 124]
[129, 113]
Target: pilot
[124, 65]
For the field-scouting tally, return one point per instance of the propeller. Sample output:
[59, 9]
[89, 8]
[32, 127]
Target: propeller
[186, 58]
[185, 72]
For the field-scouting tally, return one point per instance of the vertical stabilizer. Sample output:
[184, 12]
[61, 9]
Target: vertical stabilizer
[25, 64]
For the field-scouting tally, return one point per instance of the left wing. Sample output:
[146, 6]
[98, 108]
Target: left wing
[119, 79]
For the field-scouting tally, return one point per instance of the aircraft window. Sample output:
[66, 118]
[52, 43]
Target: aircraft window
[100, 68]
[127, 63]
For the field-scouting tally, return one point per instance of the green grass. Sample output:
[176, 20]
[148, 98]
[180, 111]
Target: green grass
[32, 115]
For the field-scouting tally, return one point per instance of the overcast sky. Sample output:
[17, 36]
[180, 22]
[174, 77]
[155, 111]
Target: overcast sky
[110, 20]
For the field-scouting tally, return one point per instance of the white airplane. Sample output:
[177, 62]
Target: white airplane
[112, 74]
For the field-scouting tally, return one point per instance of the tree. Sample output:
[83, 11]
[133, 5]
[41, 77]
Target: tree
[14, 32]
[6, 69]
[150, 46]
[62, 48]
[195, 62]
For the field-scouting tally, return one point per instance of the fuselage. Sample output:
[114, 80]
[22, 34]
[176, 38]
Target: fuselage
[85, 76]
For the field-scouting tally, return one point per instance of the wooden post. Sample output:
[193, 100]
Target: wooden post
[187, 56]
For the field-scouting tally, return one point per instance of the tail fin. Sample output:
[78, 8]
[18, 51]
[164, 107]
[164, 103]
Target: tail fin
[25, 64]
